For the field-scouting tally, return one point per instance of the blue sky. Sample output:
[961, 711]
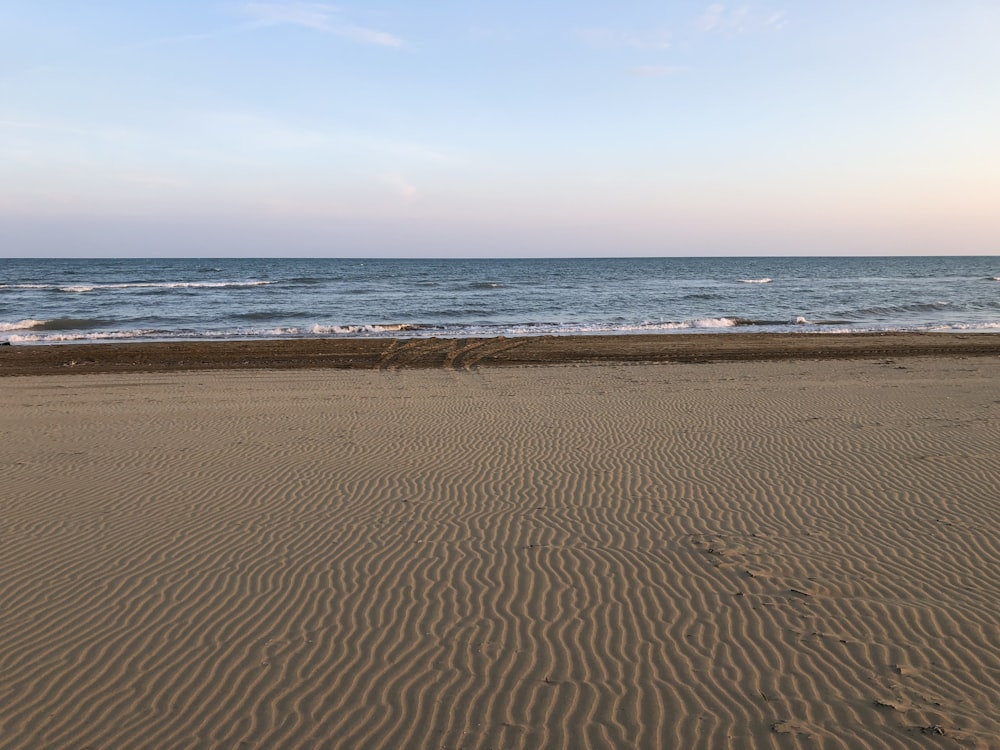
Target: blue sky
[493, 129]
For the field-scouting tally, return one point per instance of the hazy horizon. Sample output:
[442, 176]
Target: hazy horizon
[305, 129]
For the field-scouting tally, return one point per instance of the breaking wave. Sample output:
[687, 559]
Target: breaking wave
[83, 288]
[21, 325]
[356, 329]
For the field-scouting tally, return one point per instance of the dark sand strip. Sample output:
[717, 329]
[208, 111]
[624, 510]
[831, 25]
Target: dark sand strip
[470, 353]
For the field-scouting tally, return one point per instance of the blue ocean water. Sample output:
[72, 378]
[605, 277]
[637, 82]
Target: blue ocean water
[57, 300]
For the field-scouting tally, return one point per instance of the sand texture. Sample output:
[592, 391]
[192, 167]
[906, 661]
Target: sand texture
[726, 555]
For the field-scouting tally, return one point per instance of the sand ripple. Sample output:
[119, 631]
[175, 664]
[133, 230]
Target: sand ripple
[780, 554]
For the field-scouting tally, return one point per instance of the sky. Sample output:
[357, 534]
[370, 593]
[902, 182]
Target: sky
[546, 128]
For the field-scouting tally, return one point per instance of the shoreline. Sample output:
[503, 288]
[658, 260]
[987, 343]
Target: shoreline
[472, 353]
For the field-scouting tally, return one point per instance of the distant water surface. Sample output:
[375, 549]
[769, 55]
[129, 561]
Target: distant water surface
[55, 300]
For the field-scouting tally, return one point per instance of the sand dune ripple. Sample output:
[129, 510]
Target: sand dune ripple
[784, 554]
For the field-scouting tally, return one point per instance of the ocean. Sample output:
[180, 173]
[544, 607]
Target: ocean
[50, 301]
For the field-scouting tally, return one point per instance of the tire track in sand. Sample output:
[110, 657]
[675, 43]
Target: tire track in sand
[451, 354]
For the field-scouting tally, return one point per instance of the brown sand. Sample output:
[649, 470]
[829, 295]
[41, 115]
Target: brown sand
[777, 554]
[467, 354]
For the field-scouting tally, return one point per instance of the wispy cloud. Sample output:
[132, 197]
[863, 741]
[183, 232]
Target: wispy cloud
[742, 18]
[319, 17]
[368, 36]
[609, 38]
[713, 17]
[776, 20]
[311, 15]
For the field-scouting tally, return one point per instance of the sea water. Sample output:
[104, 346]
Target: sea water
[58, 300]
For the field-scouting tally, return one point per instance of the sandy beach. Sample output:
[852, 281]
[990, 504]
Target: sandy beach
[401, 546]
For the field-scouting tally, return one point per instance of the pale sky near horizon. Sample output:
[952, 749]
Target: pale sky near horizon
[474, 128]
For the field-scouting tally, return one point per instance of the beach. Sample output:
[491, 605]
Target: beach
[704, 541]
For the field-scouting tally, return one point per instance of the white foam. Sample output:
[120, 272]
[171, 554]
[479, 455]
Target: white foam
[764, 280]
[968, 327]
[609, 328]
[83, 288]
[801, 321]
[714, 323]
[54, 338]
[200, 284]
[344, 330]
[21, 325]
[265, 332]
[658, 327]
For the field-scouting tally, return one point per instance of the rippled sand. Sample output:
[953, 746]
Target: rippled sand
[776, 554]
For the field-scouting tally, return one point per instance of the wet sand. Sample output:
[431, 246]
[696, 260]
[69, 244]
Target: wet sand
[366, 354]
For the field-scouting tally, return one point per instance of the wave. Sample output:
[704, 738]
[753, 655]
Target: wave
[151, 334]
[372, 328]
[62, 338]
[265, 333]
[557, 329]
[55, 324]
[68, 330]
[22, 325]
[138, 335]
[83, 288]
[266, 315]
[764, 280]
[804, 321]
[728, 322]
[716, 323]
[69, 324]
[700, 323]
[79, 288]
[891, 310]
[984, 326]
